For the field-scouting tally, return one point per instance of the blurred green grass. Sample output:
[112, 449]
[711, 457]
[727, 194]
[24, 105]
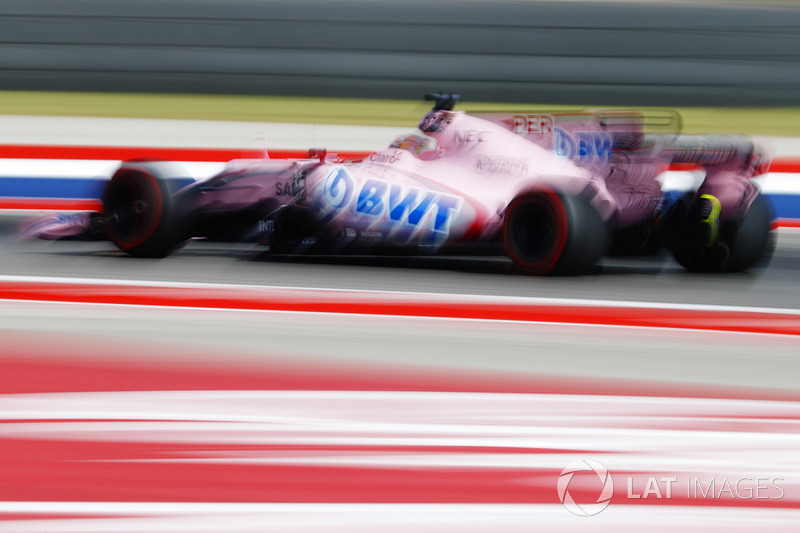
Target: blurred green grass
[755, 121]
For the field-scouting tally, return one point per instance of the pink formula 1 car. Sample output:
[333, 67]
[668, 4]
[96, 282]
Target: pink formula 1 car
[554, 192]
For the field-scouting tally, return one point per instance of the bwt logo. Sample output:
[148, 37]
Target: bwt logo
[398, 204]
[587, 148]
[603, 499]
[338, 188]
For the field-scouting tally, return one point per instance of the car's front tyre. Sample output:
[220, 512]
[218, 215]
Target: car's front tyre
[140, 213]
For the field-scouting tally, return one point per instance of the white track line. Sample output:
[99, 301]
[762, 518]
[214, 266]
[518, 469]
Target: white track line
[400, 296]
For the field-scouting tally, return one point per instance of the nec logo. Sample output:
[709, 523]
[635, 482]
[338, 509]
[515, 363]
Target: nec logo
[587, 148]
[471, 136]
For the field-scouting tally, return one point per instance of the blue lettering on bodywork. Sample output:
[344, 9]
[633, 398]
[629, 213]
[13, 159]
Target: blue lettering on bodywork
[338, 188]
[588, 147]
[407, 206]
[416, 210]
[370, 199]
[445, 205]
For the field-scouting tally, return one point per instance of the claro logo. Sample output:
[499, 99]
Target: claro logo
[603, 499]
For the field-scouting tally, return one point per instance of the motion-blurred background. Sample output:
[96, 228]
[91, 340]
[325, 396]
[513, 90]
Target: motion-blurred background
[587, 53]
[146, 395]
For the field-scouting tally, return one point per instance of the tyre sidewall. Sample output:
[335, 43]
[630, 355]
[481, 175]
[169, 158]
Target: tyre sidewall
[579, 236]
[154, 232]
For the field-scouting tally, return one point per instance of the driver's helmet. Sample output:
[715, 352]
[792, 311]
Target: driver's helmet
[416, 143]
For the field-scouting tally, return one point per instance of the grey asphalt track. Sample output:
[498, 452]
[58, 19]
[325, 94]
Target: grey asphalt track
[640, 356]
[657, 279]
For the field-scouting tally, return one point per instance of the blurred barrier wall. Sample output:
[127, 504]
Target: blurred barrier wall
[595, 53]
[59, 178]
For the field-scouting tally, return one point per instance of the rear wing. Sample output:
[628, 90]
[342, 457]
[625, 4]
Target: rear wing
[647, 120]
[619, 129]
[737, 151]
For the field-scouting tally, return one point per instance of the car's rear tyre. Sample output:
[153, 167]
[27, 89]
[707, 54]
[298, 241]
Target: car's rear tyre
[741, 243]
[140, 213]
[547, 233]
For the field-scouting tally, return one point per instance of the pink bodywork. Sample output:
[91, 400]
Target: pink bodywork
[453, 180]
[480, 162]
[55, 226]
